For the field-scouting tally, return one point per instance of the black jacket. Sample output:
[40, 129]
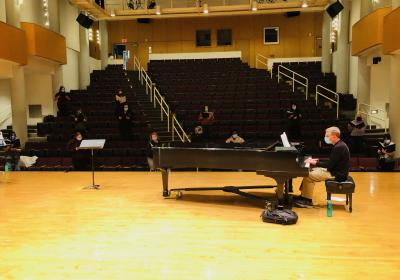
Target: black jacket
[338, 163]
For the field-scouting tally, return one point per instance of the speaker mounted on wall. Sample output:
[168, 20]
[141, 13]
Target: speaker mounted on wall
[84, 21]
[334, 9]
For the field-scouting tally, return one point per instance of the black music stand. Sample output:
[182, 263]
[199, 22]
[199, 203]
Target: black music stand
[92, 144]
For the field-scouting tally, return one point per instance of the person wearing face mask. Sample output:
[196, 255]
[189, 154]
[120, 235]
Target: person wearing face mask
[294, 122]
[125, 118]
[336, 166]
[63, 99]
[386, 154]
[357, 131]
[153, 142]
[80, 122]
[235, 138]
[120, 101]
[80, 158]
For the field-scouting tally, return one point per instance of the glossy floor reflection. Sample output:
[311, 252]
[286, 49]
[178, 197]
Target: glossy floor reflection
[52, 229]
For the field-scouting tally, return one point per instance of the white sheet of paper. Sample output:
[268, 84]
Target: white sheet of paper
[338, 199]
[285, 140]
[92, 144]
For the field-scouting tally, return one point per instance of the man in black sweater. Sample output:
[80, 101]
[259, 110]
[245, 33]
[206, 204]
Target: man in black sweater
[337, 166]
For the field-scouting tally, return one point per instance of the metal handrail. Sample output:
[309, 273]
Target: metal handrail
[369, 115]
[181, 133]
[156, 98]
[336, 101]
[259, 59]
[293, 78]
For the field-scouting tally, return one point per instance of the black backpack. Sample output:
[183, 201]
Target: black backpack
[279, 216]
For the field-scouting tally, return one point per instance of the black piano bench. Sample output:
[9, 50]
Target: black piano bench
[347, 187]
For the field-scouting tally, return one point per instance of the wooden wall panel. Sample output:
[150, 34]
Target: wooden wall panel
[94, 48]
[297, 35]
[391, 33]
[45, 43]
[13, 44]
[368, 31]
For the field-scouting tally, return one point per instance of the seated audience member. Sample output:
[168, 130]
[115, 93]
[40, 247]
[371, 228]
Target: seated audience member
[2, 140]
[12, 151]
[235, 138]
[153, 142]
[80, 122]
[120, 101]
[357, 130]
[80, 158]
[337, 166]
[206, 119]
[125, 118]
[63, 100]
[197, 135]
[386, 154]
[294, 122]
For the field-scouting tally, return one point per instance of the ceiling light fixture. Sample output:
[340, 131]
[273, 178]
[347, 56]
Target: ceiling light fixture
[205, 8]
[254, 6]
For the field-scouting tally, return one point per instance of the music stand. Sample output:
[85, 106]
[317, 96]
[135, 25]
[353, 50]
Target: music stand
[92, 144]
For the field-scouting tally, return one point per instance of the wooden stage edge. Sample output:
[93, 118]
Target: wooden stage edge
[50, 228]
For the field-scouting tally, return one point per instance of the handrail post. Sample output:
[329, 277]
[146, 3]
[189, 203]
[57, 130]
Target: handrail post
[293, 81]
[337, 109]
[168, 119]
[279, 73]
[161, 108]
[307, 89]
[173, 127]
[316, 95]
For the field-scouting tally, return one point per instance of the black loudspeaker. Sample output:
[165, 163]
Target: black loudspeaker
[85, 21]
[143, 20]
[376, 60]
[334, 9]
[293, 14]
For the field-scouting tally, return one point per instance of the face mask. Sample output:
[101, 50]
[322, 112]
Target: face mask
[206, 109]
[79, 138]
[327, 140]
[62, 90]
[387, 141]
[359, 119]
[234, 136]
[294, 107]
[125, 109]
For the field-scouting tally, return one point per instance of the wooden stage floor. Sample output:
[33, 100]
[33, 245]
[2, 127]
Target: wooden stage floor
[52, 229]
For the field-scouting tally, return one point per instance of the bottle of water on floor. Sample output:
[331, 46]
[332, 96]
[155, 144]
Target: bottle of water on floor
[329, 208]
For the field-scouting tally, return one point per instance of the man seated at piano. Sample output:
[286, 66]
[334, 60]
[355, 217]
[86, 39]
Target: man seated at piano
[234, 138]
[337, 166]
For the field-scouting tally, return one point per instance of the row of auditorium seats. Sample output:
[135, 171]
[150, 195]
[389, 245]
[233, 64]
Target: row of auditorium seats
[254, 103]
[97, 103]
[311, 70]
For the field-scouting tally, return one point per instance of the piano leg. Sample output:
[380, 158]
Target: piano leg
[164, 174]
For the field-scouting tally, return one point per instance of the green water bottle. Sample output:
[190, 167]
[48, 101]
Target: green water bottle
[329, 208]
[7, 167]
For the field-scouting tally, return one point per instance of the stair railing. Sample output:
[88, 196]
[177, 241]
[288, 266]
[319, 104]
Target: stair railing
[157, 99]
[324, 92]
[180, 132]
[260, 59]
[294, 77]
[370, 113]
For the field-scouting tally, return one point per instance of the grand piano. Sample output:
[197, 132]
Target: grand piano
[281, 164]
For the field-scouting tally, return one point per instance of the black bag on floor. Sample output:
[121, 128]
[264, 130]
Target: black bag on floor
[279, 216]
